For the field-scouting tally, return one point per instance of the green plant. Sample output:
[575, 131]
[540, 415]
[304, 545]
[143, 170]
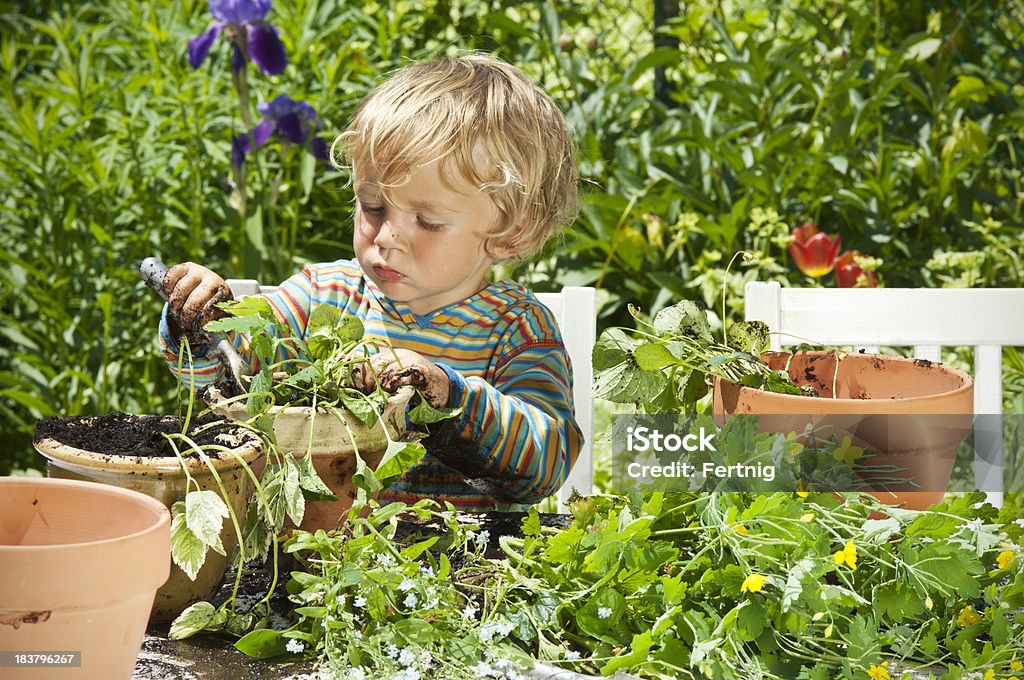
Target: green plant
[314, 372]
[667, 367]
[663, 586]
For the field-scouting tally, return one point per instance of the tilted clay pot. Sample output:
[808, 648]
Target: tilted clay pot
[164, 479]
[299, 431]
[81, 564]
[872, 385]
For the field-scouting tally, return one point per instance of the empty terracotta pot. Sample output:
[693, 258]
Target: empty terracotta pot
[164, 479]
[866, 385]
[81, 564]
[299, 431]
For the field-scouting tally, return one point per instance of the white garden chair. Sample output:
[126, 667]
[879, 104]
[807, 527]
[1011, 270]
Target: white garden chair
[575, 310]
[924, 318]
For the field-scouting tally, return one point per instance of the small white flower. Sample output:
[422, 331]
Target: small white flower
[482, 538]
[504, 665]
[484, 670]
[340, 599]
[425, 658]
[433, 602]
[392, 651]
[490, 629]
[410, 600]
[407, 584]
[294, 646]
[604, 612]
[469, 613]
[358, 635]
[572, 655]
[406, 657]
[357, 673]
[359, 601]
[427, 570]
[385, 560]
[411, 674]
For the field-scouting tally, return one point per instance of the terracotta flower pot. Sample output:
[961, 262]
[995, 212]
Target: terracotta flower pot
[81, 564]
[164, 479]
[299, 431]
[872, 385]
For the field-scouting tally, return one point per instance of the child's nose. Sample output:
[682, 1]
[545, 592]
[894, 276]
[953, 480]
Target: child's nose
[387, 236]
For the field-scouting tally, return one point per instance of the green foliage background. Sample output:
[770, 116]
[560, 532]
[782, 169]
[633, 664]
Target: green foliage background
[896, 124]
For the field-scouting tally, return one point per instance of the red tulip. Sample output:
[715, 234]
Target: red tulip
[813, 252]
[848, 272]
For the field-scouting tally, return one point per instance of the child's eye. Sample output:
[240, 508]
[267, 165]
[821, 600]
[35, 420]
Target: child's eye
[429, 226]
[372, 209]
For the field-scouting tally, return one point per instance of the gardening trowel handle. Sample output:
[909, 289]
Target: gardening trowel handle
[153, 272]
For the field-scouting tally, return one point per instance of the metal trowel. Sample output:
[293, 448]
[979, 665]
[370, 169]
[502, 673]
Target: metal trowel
[153, 271]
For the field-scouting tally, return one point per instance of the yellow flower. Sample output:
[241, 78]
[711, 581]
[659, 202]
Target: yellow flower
[1004, 558]
[990, 674]
[848, 555]
[967, 616]
[847, 452]
[809, 517]
[752, 583]
[740, 529]
[1016, 666]
[879, 672]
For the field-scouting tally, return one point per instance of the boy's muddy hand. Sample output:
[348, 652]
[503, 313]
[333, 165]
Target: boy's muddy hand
[192, 294]
[394, 368]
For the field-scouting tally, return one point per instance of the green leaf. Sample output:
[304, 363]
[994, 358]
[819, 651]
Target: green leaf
[259, 401]
[263, 644]
[415, 550]
[310, 481]
[685, 318]
[923, 49]
[749, 336]
[399, 457]
[323, 317]
[205, 512]
[639, 648]
[198, 618]
[187, 549]
[425, 414]
[617, 376]
[562, 547]
[601, 614]
[653, 355]
[896, 602]
[295, 502]
[969, 87]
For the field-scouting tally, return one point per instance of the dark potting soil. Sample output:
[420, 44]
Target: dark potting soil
[124, 434]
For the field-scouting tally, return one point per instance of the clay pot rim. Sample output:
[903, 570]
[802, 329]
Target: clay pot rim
[968, 381]
[161, 515]
[249, 450]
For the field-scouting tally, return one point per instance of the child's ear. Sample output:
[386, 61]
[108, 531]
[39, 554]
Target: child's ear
[506, 248]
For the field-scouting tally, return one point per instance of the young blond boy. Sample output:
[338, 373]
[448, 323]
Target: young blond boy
[456, 164]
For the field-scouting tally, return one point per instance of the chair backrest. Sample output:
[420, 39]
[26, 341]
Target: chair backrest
[575, 311]
[924, 318]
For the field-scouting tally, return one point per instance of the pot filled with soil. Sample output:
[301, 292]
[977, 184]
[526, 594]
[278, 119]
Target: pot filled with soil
[332, 437]
[134, 452]
[911, 414]
[81, 564]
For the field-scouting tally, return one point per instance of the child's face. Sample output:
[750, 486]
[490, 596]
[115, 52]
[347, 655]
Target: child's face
[426, 247]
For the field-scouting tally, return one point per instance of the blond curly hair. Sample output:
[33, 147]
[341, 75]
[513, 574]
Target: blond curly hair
[489, 126]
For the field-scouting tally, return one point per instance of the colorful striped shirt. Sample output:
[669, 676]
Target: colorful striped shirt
[516, 438]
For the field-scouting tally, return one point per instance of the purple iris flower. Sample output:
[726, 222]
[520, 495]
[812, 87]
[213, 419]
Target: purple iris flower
[286, 119]
[243, 22]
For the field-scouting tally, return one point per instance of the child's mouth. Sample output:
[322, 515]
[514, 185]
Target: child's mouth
[388, 274]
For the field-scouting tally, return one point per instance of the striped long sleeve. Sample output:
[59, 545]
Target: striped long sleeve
[516, 438]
